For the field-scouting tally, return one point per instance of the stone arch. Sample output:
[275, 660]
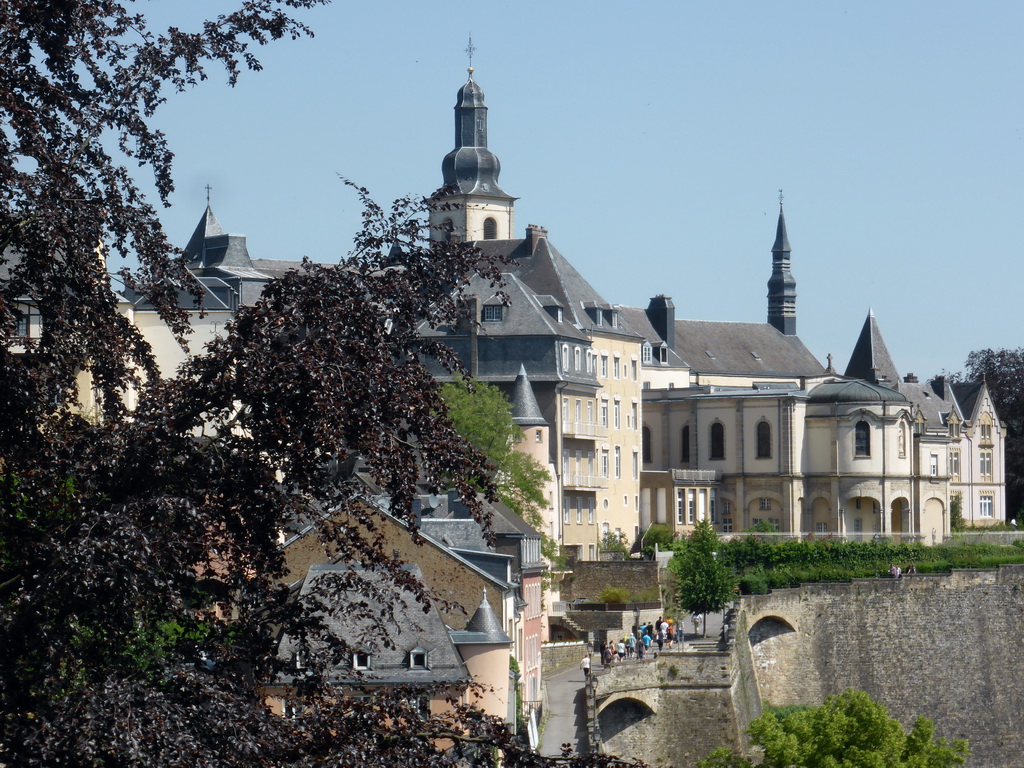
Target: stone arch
[768, 627]
[620, 713]
[899, 516]
[934, 519]
[642, 698]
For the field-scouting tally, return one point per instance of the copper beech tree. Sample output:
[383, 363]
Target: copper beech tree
[141, 588]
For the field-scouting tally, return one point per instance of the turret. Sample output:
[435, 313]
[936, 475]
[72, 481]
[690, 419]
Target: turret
[782, 285]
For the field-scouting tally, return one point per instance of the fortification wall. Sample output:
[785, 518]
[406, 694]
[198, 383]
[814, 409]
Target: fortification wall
[943, 646]
[590, 577]
[554, 657]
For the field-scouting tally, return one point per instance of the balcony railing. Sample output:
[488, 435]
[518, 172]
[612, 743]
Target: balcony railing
[584, 481]
[696, 476]
[584, 429]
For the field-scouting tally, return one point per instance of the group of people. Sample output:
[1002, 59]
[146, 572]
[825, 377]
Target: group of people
[649, 637]
[897, 573]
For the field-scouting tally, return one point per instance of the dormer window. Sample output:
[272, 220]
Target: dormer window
[647, 353]
[492, 313]
[417, 658]
[360, 660]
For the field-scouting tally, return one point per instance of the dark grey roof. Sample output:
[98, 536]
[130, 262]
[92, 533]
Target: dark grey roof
[412, 628]
[471, 168]
[854, 391]
[638, 322]
[968, 395]
[207, 227]
[525, 410]
[933, 402]
[871, 360]
[455, 533]
[483, 628]
[748, 349]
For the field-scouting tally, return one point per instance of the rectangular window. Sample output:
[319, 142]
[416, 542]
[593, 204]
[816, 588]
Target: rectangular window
[821, 527]
[590, 463]
[632, 369]
[565, 410]
[579, 411]
[604, 413]
[985, 506]
[636, 466]
[617, 415]
[954, 464]
[615, 368]
[604, 366]
[604, 463]
[565, 461]
[590, 511]
[492, 313]
[590, 411]
[933, 464]
[986, 463]
[618, 462]
[691, 507]
[986, 433]
[579, 509]
[764, 503]
[592, 552]
[645, 354]
[539, 436]
[712, 511]
[858, 525]
[726, 525]
[565, 509]
[636, 415]
[680, 503]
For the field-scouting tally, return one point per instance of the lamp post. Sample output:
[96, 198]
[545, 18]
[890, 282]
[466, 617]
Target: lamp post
[636, 619]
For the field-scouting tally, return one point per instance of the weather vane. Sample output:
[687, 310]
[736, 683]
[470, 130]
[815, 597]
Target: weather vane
[208, 188]
[470, 50]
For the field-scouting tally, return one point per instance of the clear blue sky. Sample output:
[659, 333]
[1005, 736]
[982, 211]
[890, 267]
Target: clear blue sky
[651, 140]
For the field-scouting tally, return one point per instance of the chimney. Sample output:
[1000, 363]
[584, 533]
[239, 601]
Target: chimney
[939, 385]
[534, 235]
[910, 378]
[662, 314]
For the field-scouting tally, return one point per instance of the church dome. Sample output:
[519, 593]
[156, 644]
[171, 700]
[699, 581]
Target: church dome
[854, 391]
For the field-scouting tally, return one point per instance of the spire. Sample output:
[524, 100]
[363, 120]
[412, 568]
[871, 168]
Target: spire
[486, 624]
[207, 227]
[871, 360]
[471, 168]
[782, 285]
[525, 411]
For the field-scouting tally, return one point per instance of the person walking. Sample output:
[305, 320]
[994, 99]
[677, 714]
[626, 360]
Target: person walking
[585, 666]
[631, 646]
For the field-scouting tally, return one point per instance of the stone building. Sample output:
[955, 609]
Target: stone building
[581, 361]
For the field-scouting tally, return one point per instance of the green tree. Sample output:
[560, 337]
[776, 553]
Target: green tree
[659, 534]
[956, 512]
[483, 416]
[705, 585]
[848, 731]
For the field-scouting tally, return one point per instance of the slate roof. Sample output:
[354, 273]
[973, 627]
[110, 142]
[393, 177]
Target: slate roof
[871, 360]
[854, 391]
[749, 349]
[483, 628]
[636, 320]
[412, 629]
[934, 402]
[525, 410]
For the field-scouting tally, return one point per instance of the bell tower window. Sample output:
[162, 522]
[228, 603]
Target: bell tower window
[490, 229]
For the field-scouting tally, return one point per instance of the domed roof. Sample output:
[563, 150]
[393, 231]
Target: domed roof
[854, 391]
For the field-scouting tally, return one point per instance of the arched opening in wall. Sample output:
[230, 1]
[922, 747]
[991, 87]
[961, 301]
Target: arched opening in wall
[899, 514]
[933, 522]
[768, 628]
[621, 715]
[490, 229]
[863, 517]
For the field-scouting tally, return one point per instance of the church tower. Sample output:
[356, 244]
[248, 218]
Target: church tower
[782, 285]
[477, 208]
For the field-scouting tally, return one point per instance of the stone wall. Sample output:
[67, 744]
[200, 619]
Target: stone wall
[589, 578]
[943, 646]
[673, 709]
[554, 657]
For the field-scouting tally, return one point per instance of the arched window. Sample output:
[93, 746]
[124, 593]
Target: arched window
[645, 439]
[862, 439]
[717, 441]
[764, 440]
[447, 229]
[490, 229]
[685, 443]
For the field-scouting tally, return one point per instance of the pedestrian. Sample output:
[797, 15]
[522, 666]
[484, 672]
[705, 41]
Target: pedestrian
[661, 640]
[585, 666]
[640, 648]
[606, 656]
[631, 646]
[647, 643]
[622, 650]
[696, 623]
[670, 635]
[1013, 522]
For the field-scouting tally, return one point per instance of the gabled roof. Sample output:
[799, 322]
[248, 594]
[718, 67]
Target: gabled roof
[933, 402]
[748, 349]
[871, 360]
[968, 395]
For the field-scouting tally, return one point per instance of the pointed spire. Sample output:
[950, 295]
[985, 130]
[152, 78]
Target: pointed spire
[525, 410]
[871, 360]
[207, 227]
[782, 284]
[487, 624]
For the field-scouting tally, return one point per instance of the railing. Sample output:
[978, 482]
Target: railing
[584, 481]
[696, 475]
[896, 538]
[583, 429]
[617, 607]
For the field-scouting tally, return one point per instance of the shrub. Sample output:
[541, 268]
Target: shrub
[613, 595]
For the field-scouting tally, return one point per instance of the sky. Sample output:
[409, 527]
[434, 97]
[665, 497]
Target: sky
[652, 140]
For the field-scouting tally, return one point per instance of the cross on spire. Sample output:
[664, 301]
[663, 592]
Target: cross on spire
[208, 188]
[470, 50]
[780, 197]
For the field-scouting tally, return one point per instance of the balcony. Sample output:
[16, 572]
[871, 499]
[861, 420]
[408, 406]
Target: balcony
[584, 430]
[585, 482]
[687, 476]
